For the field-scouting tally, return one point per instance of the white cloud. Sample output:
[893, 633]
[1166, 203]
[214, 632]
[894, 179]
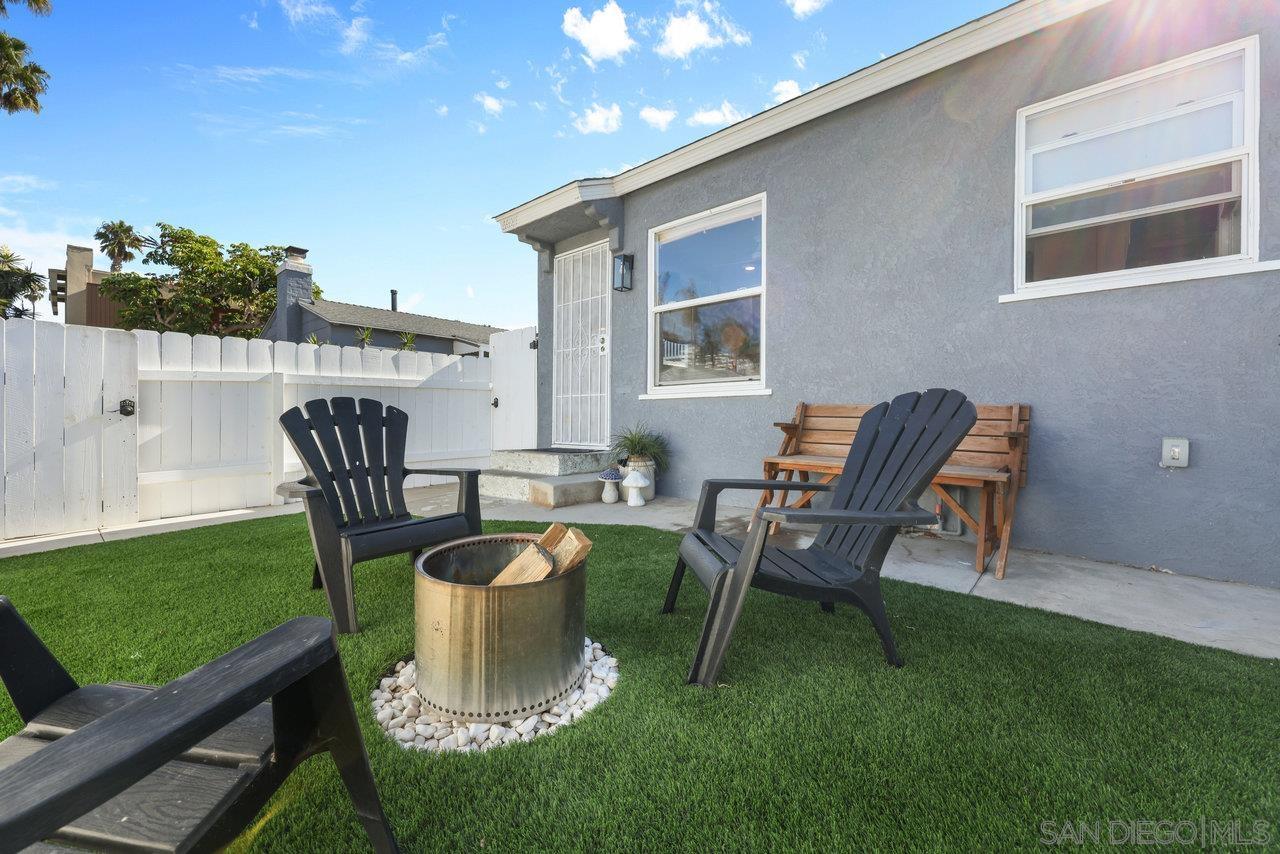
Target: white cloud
[804, 8]
[479, 127]
[412, 301]
[23, 183]
[260, 74]
[539, 106]
[800, 57]
[785, 90]
[684, 34]
[604, 35]
[306, 11]
[657, 118]
[725, 114]
[355, 35]
[502, 83]
[392, 53]
[690, 32]
[250, 20]
[442, 110]
[493, 106]
[471, 292]
[598, 119]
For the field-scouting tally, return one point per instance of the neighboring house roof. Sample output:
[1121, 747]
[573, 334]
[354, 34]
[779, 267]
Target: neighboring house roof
[346, 314]
[978, 36]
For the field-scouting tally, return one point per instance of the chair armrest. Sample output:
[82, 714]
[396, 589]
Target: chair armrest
[786, 426]
[809, 515]
[468, 491]
[88, 767]
[711, 489]
[304, 488]
[460, 474]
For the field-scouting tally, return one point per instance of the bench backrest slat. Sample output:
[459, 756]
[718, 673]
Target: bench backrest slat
[828, 429]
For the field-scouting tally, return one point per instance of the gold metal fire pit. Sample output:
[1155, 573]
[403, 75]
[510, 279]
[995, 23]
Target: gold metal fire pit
[495, 653]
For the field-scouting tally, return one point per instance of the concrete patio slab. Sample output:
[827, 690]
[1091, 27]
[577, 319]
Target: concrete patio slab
[1237, 617]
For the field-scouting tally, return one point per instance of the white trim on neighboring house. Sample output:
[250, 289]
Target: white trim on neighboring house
[1245, 153]
[720, 215]
[978, 36]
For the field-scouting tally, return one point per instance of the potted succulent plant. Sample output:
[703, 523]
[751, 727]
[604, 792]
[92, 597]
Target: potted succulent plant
[645, 451]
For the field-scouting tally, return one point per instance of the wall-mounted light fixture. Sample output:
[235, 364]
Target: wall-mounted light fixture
[622, 267]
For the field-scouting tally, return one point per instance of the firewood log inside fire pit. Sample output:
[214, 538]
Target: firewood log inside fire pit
[557, 551]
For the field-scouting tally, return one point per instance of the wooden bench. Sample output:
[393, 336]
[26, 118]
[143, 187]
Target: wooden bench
[991, 459]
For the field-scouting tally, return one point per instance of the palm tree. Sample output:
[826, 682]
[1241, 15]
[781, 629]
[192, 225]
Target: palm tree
[119, 242]
[21, 82]
[18, 283]
[37, 7]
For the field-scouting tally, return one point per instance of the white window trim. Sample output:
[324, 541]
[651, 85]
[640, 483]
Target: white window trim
[1251, 190]
[720, 215]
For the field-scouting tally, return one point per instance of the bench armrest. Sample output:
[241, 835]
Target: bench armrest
[88, 767]
[809, 515]
[711, 489]
[304, 488]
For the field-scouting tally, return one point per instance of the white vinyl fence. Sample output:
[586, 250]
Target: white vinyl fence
[204, 436]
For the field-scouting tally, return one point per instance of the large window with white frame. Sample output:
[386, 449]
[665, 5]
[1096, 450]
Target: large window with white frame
[1141, 177]
[706, 302]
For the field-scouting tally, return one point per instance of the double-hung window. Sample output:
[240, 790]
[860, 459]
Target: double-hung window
[1142, 178]
[706, 302]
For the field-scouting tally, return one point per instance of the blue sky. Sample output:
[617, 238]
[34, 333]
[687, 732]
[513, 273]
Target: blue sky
[383, 135]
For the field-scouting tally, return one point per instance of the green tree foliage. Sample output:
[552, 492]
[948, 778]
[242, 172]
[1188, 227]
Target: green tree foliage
[408, 341]
[18, 283]
[22, 81]
[207, 289]
[364, 336]
[120, 242]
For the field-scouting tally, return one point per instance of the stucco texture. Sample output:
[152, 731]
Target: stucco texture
[889, 239]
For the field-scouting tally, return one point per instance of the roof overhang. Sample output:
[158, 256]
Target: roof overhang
[978, 36]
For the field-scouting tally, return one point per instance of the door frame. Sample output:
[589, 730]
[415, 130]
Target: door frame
[606, 413]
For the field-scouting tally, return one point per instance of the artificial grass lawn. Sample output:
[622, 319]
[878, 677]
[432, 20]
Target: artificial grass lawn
[1004, 717]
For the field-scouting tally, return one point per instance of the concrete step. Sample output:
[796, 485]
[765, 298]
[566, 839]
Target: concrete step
[543, 490]
[553, 461]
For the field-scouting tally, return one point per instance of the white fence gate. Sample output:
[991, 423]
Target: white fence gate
[515, 389]
[70, 461]
[205, 436]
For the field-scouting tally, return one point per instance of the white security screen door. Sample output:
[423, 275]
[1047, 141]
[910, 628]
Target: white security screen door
[580, 372]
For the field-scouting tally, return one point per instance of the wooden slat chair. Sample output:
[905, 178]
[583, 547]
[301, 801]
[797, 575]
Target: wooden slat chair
[898, 449]
[185, 767]
[991, 459]
[354, 493]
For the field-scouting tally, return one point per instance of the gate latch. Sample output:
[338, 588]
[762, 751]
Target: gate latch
[127, 408]
[494, 404]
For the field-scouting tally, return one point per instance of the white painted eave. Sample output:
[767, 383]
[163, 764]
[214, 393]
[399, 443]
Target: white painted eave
[978, 36]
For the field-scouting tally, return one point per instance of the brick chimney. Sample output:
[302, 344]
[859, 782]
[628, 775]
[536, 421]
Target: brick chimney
[293, 285]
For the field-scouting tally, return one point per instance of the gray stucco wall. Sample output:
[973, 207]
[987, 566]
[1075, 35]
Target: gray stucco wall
[889, 239]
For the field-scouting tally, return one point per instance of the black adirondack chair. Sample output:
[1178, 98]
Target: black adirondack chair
[354, 493]
[898, 449]
[185, 767]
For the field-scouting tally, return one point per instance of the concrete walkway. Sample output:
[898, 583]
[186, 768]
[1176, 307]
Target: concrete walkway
[1219, 614]
[1238, 617]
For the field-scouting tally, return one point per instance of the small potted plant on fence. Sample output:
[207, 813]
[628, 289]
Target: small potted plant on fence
[645, 451]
